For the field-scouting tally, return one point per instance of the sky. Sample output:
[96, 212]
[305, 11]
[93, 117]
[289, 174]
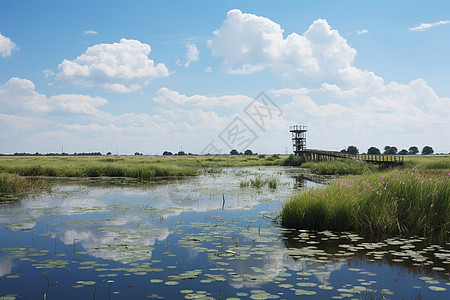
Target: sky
[211, 76]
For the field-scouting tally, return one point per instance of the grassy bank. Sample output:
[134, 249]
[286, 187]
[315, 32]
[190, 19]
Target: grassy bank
[389, 203]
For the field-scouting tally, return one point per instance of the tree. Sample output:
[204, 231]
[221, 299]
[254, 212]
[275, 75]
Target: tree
[413, 150]
[343, 151]
[181, 153]
[427, 150]
[373, 150]
[403, 152]
[234, 152]
[109, 153]
[167, 153]
[248, 152]
[352, 150]
[390, 150]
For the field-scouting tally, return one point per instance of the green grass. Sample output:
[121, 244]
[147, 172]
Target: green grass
[340, 167]
[14, 184]
[142, 168]
[258, 182]
[432, 164]
[379, 204]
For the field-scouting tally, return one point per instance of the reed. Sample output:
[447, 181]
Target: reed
[379, 204]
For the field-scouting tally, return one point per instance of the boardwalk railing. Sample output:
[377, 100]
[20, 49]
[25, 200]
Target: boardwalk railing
[381, 159]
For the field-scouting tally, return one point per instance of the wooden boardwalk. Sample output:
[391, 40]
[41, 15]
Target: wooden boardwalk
[380, 159]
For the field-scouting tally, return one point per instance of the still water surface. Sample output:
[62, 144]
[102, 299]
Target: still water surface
[207, 237]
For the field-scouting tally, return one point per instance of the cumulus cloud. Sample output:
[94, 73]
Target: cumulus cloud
[426, 26]
[248, 43]
[363, 31]
[372, 114]
[121, 67]
[19, 95]
[192, 54]
[6, 46]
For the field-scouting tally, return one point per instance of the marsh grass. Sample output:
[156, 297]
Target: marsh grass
[13, 184]
[141, 168]
[432, 164]
[379, 204]
[272, 183]
[340, 167]
[259, 182]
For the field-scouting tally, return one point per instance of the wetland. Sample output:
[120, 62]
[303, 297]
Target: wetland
[211, 236]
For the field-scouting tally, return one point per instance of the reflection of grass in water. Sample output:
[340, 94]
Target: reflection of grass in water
[391, 203]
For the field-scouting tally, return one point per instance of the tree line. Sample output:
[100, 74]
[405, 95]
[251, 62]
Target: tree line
[390, 150]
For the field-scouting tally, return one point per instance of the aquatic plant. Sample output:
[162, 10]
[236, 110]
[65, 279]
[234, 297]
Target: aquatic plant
[391, 203]
[272, 183]
[256, 182]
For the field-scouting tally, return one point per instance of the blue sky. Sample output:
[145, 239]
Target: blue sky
[149, 76]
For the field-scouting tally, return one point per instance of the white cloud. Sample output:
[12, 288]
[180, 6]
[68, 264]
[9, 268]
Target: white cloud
[121, 67]
[6, 46]
[363, 31]
[88, 32]
[209, 69]
[249, 43]
[192, 54]
[48, 73]
[426, 26]
[166, 96]
[19, 95]
[370, 115]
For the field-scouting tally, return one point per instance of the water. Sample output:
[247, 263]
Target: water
[200, 238]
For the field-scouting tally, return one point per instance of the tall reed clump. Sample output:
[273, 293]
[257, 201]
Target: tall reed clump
[13, 183]
[392, 203]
